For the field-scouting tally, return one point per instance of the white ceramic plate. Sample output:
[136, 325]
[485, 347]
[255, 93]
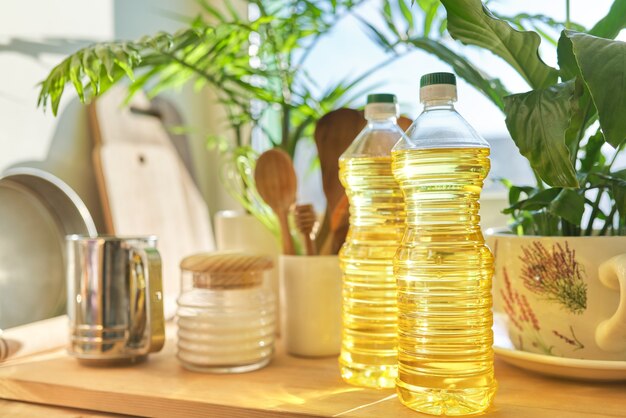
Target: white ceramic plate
[37, 211]
[595, 370]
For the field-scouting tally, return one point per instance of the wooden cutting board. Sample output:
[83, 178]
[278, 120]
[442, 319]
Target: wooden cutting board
[144, 187]
[288, 387]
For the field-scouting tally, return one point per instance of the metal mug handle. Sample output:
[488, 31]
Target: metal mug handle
[611, 333]
[146, 298]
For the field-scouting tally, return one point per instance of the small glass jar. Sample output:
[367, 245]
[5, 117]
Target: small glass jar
[226, 313]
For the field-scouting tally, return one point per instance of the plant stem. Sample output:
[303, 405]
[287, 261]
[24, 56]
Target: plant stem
[609, 221]
[539, 180]
[594, 212]
[567, 14]
[581, 133]
[283, 77]
[617, 152]
[284, 143]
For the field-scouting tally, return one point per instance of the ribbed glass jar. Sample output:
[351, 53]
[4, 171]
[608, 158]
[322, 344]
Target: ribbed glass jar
[226, 313]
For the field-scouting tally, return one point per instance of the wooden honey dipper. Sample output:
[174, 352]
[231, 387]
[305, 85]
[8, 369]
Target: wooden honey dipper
[305, 219]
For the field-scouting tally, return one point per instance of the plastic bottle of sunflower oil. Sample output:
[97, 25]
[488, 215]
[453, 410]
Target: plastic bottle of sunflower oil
[443, 268]
[368, 353]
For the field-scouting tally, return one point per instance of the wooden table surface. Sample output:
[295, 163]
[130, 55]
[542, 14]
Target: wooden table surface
[289, 386]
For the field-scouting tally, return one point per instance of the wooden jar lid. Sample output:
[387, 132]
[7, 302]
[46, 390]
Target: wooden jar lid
[226, 270]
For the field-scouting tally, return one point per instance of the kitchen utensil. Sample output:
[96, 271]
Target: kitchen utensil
[304, 216]
[144, 186]
[115, 298]
[404, 122]
[37, 210]
[339, 225]
[276, 183]
[334, 132]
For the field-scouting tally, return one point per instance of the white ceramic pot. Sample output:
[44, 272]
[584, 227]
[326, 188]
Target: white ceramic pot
[311, 304]
[562, 296]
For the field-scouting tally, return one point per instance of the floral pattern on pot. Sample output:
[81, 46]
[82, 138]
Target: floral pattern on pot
[562, 296]
[522, 316]
[555, 275]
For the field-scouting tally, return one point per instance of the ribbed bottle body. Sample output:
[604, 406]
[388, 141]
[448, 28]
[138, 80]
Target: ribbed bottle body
[368, 354]
[444, 272]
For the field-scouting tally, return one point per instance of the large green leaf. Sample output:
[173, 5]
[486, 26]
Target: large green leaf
[568, 205]
[602, 63]
[540, 200]
[592, 153]
[568, 67]
[611, 24]
[470, 22]
[490, 87]
[537, 121]
[583, 111]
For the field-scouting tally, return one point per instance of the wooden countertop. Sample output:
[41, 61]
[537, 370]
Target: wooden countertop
[288, 387]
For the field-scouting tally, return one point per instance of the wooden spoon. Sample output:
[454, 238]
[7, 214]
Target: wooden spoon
[339, 225]
[276, 182]
[305, 218]
[404, 122]
[334, 133]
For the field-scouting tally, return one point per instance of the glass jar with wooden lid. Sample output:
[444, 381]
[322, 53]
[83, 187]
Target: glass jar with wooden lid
[226, 313]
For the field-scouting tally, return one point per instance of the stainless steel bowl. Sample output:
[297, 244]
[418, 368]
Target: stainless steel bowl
[37, 211]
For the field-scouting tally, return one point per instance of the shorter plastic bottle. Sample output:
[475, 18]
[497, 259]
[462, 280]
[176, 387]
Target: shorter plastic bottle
[226, 313]
[368, 352]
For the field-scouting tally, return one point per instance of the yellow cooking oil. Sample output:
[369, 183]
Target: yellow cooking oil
[444, 271]
[368, 353]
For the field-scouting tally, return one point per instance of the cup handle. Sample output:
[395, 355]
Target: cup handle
[145, 282]
[611, 333]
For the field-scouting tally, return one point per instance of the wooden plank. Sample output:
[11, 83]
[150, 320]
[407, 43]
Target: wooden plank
[289, 386]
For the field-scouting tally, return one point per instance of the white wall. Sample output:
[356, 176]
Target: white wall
[30, 44]
[34, 36]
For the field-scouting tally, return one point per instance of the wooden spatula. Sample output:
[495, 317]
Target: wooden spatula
[276, 183]
[334, 133]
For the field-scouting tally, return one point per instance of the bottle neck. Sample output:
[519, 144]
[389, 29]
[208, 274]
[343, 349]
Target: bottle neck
[438, 104]
[382, 120]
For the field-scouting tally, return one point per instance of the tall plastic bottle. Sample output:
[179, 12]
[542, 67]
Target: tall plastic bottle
[368, 353]
[443, 268]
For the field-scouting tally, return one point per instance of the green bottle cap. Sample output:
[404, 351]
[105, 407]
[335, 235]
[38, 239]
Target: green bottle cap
[381, 98]
[437, 78]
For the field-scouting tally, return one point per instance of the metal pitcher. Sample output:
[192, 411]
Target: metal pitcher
[115, 298]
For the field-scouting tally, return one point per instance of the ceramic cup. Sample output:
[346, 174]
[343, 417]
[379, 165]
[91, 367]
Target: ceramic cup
[311, 304]
[562, 296]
